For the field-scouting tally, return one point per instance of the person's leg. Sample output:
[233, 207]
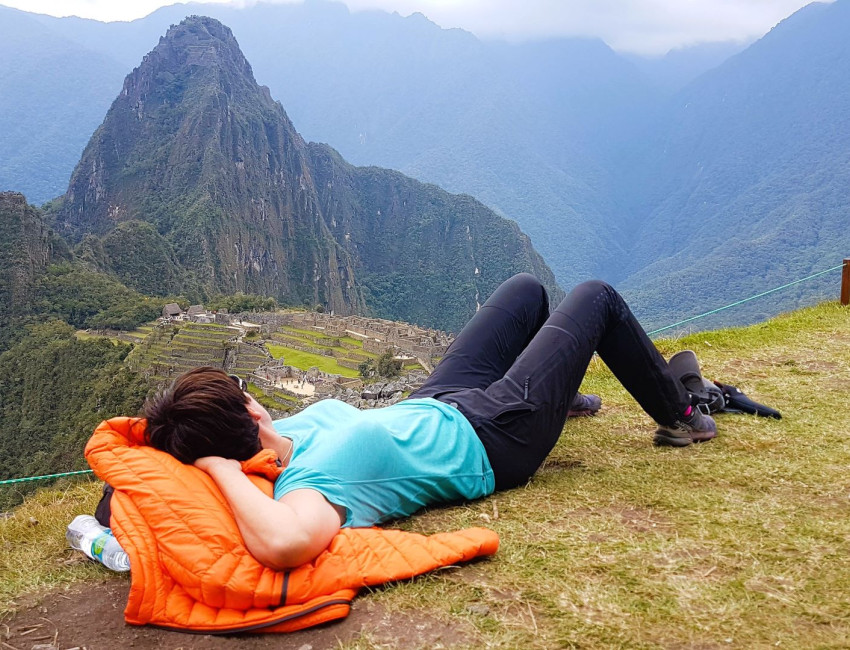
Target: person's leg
[492, 340]
[520, 417]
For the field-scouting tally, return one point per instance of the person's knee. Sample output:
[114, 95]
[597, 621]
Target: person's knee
[594, 292]
[595, 287]
[521, 294]
[525, 282]
[600, 292]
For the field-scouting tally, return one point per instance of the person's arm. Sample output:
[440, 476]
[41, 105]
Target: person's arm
[279, 534]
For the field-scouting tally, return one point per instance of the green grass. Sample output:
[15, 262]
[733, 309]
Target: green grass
[288, 329]
[279, 401]
[35, 554]
[298, 330]
[292, 333]
[306, 360]
[209, 326]
[742, 542]
[304, 341]
[86, 336]
[351, 339]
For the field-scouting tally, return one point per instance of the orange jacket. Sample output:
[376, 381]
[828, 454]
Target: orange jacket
[191, 570]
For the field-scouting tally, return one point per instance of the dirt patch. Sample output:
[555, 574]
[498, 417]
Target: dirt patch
[559, 465]
[641, 520]
[772, 586]
[483, 579]
[91, 616]
[818, 365]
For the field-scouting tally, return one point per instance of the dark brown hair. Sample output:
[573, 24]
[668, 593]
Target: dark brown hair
[202, 413]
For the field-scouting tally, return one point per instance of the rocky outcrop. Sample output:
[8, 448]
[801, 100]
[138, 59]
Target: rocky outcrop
[26, 247]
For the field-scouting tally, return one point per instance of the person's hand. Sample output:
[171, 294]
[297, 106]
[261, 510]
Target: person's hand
[211, 464]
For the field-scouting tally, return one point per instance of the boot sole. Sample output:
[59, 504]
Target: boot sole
[582, 413]
[662, 438]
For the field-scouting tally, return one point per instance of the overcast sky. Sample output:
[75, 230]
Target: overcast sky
[643, 26]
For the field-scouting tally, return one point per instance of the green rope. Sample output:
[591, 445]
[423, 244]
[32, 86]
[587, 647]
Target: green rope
[739, 302]
[37, 478]
[681, 322]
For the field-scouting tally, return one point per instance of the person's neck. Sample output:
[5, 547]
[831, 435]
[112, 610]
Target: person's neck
[281, 445]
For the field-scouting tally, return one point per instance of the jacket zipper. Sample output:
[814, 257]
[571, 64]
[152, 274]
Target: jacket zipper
[258, 626]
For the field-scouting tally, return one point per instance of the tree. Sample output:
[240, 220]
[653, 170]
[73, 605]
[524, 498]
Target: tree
[388, 366]
[366, 369]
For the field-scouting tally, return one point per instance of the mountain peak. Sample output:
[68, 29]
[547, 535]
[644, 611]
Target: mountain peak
[203, 41]
[232, 195]
[198, 50]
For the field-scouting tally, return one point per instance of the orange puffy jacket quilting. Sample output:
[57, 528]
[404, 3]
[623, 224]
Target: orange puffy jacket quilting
[191, 571]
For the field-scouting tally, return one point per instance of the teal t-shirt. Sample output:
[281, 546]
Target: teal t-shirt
[385, 463]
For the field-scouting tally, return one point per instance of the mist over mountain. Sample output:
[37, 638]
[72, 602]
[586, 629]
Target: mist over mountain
[198, 180]
[52, 93]
[744, 185]
[524, 128]
[686, 199]
[680, 66]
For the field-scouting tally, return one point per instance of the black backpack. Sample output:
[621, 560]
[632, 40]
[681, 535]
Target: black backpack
[713, 396]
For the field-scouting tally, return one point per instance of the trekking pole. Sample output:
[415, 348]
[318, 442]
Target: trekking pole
[845, 282]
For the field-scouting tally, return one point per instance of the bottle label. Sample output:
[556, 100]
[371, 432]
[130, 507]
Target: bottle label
[99, 543]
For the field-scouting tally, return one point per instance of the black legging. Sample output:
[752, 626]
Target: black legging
[514, 369]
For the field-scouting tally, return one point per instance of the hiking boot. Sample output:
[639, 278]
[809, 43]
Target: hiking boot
[694, 427]
[584, 405]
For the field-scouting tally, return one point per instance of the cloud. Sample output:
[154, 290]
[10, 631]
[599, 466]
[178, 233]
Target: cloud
[643, 26]
[104, 10]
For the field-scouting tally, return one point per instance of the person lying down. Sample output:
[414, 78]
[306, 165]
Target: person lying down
[485, 420]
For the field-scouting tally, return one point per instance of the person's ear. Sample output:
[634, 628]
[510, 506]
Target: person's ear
[253, 411]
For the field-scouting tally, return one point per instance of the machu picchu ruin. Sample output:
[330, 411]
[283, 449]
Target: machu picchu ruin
[289, 358]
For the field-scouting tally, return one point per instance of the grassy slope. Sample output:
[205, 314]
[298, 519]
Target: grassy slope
[306, 360]
[742, 542]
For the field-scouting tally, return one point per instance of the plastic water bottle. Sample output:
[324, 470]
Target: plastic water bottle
[87, 535]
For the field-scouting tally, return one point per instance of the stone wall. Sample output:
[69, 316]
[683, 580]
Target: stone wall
[295, 345]
[408, 338]
[340, 355]
[376, 347]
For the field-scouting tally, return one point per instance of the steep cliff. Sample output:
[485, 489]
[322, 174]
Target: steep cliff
[194, 147]
[26, 247]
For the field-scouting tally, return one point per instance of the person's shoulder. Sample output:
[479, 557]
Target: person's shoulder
[419, 402]
[425, 405]
[317, 412]
[332, 404]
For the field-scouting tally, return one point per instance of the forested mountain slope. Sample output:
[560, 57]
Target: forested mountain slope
[53, 93]
[743, 185]
[525, 128]
[196, 149]
[26, 248]
[727, 189]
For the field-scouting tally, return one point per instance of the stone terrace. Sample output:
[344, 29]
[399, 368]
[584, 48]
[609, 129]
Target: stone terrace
[192, 346]
[377, 334]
